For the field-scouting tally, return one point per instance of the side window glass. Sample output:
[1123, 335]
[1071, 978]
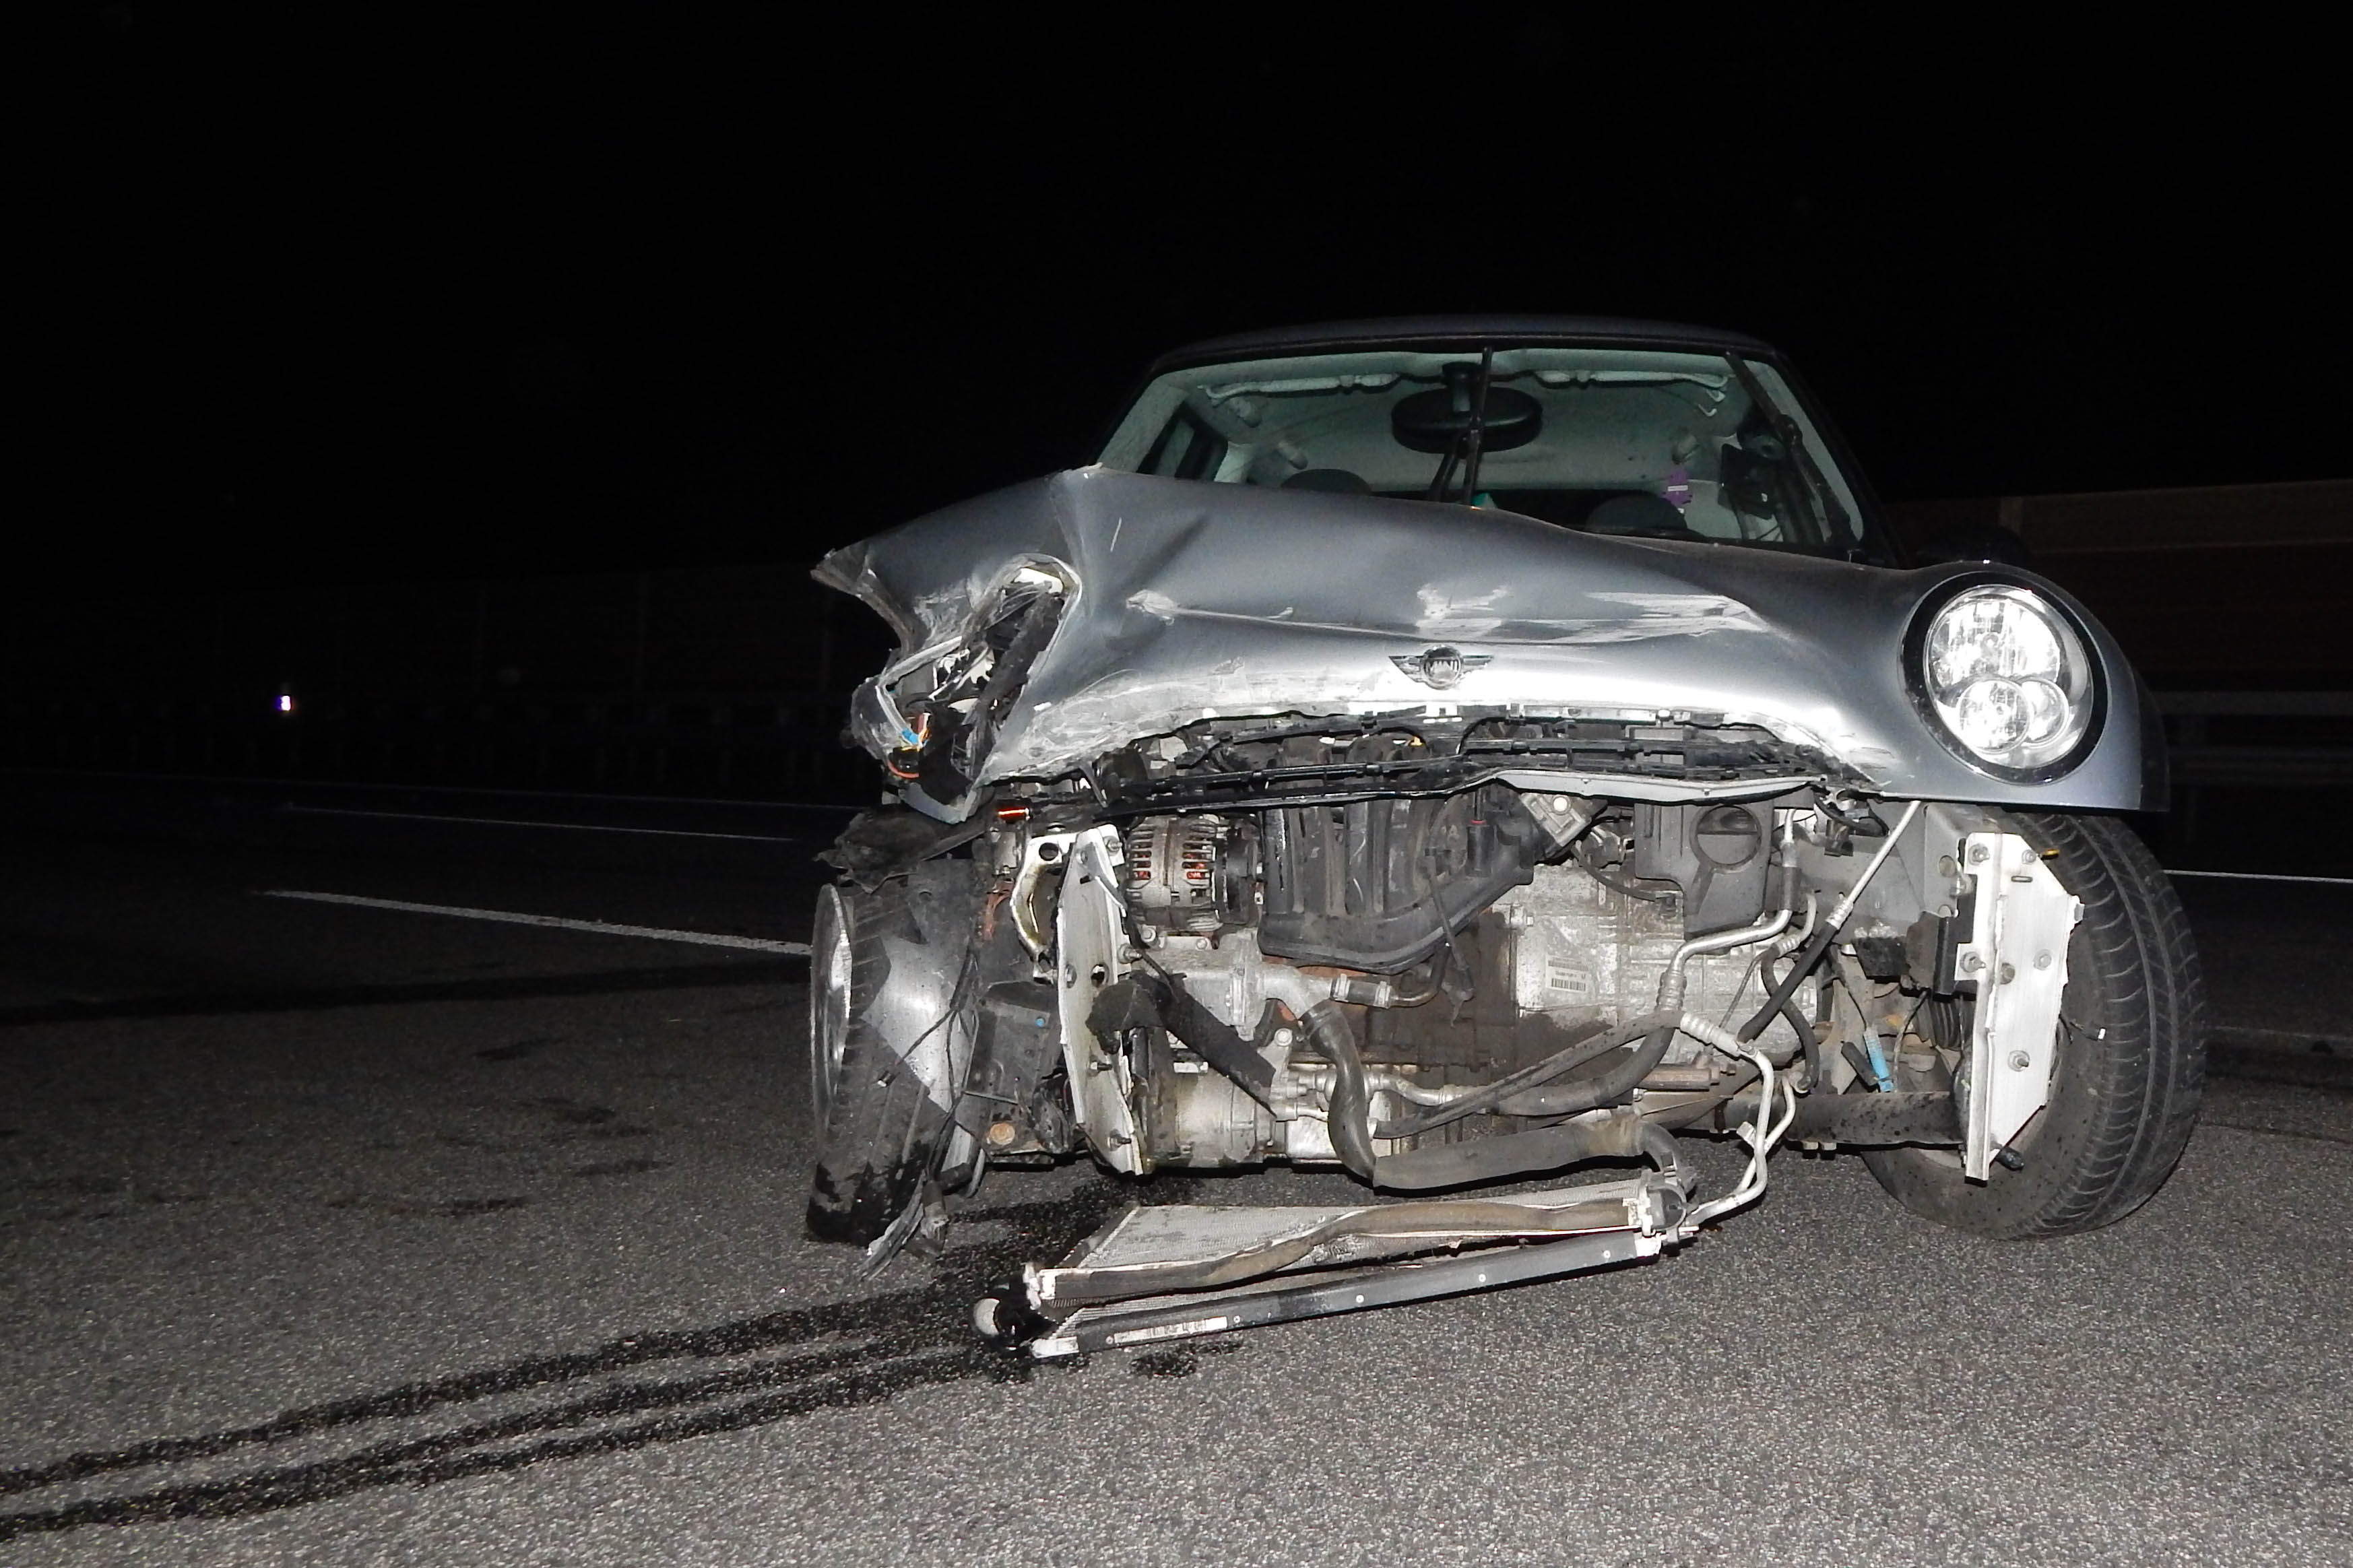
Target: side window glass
[1187, 450]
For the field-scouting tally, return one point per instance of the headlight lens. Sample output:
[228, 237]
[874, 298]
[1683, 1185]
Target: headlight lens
[2007, 677]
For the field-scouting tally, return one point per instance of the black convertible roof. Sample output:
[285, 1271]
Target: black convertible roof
[1457, 332]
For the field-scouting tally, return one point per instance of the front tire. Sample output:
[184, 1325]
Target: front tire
[2131, 1062]
[883, 972]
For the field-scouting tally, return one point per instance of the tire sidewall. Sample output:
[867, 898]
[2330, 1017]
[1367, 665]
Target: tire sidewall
[2120, 1060]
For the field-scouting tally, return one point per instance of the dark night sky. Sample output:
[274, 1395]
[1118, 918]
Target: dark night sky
[421, 291]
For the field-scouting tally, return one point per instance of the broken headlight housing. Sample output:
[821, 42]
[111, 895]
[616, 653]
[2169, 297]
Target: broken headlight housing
[2005, 676]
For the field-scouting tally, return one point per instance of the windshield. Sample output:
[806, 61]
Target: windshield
[1605, 440]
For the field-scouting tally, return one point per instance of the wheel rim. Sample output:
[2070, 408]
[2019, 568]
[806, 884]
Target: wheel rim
[829, 978]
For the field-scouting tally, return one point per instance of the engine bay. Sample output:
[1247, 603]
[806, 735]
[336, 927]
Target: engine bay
[1180, 962]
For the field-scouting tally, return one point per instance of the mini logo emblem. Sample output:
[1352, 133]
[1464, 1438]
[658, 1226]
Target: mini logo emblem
[1440, 667]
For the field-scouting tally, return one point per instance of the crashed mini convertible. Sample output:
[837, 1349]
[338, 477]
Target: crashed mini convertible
[1459, 751]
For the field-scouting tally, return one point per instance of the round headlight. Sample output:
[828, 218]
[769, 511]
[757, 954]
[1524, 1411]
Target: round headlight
[2007, 676]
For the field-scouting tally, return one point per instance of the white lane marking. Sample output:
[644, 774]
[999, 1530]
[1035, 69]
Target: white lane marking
[2267, 876]
[419, 788]
[2230, 1034]
[518, 822]
[510, 917]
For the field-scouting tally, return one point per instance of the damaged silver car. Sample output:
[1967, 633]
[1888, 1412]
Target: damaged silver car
[1458, 750]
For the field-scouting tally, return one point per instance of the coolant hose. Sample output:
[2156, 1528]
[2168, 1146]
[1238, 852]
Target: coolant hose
[1618, 1134]
[1350, 1115]
[1800, 967]
[1515, 1089]
[1587, 1094]
[1621, 1134]
[1827, 933]
[1664, 1152]
[1802, 1030]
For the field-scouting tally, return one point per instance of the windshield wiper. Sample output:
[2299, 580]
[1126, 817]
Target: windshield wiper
[1833, 514]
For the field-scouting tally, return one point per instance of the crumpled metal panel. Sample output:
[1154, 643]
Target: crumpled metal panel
[1198, 600]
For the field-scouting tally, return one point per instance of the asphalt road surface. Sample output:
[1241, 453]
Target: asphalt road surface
[344, 1233]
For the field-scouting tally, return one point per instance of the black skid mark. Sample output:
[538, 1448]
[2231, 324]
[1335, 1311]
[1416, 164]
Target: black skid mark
[573, 1113]
[457, 1208]
[452, 1457]
[1180, 1360]
[903, 1340]
[519, 1049]
[618, 1168]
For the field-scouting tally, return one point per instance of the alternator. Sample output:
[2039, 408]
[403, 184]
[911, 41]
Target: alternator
[1175, 871]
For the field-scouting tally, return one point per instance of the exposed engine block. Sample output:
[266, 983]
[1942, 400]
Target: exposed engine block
[1563, 952]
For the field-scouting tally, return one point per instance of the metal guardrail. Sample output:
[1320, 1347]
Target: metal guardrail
[748, 746]
[2264, 739]
[2299, 704]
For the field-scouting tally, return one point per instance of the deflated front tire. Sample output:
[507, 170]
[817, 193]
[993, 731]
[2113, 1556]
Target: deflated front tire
[881, 965]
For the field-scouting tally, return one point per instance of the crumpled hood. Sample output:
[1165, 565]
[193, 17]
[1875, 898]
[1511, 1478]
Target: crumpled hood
[1194, 600]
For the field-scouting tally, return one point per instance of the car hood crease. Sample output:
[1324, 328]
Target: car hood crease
[1194, 601]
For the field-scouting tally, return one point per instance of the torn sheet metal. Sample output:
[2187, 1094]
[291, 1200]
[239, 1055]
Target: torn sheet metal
[1191, 600]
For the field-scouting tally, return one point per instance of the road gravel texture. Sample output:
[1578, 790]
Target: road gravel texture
[501, 1262]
